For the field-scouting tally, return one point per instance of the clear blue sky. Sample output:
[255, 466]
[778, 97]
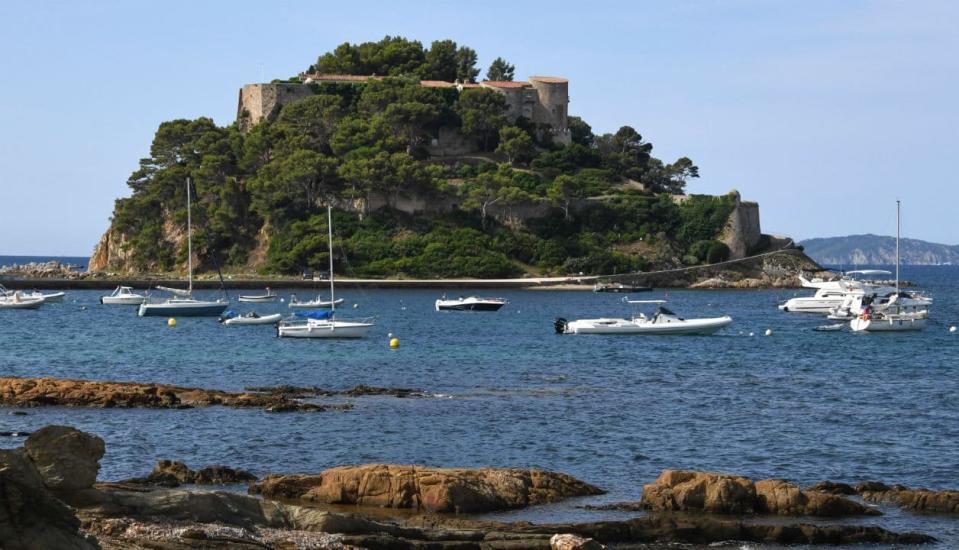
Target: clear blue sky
[822, 111]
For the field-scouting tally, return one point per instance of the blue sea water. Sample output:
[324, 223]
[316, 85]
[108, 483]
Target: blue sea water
[507, 391]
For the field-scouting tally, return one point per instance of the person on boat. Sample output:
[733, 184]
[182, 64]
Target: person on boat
[867, 312]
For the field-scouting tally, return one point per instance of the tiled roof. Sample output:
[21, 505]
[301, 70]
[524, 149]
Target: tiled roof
[336, 77]
[436, 84]
[504, 84]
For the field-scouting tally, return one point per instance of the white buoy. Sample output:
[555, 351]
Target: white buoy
[282, 300]
[390, 335]
[356, 306]
[952, 328]
[751, 334]
[769, 332]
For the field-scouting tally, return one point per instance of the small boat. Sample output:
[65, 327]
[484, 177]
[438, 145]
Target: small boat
[230, 317]
[16, 300]
[183, 304]
[620, 287]
[123, 296]
[471, 303]
[318, 303]
[830, 328]
[270, 296]
[891, 317]
[663, 322]
[48, 298]
[321, 324]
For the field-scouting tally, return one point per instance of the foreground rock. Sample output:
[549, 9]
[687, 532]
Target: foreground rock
[172, 473]
[66, 458]
[680, 490]
[431, 489]
[915, 500]
[33, 392]
[32, 516]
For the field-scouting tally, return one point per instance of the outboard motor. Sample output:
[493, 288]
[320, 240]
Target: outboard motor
[560, 325]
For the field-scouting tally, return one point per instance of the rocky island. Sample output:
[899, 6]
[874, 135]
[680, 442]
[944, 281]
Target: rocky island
[432, 175]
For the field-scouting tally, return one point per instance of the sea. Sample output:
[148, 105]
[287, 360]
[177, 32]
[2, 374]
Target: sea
[505, 390]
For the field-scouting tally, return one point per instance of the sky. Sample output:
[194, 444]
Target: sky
[824, 112]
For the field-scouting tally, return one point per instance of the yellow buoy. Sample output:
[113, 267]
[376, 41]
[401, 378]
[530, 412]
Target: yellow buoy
[171, 322]
[394, 343]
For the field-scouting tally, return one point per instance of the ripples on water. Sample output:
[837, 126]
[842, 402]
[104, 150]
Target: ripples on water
[613, 411]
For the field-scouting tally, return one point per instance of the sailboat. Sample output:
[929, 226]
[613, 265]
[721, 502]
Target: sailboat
[321, 324]
[892, 318]
[183, 304]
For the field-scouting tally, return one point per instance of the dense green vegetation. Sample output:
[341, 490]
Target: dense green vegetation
[602, 204]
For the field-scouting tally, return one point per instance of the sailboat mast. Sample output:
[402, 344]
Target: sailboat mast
[189, 237]
[898, 224]
[329, 226]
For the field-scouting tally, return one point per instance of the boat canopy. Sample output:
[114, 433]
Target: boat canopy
[318, 315]
[229, 313]
[869, 272]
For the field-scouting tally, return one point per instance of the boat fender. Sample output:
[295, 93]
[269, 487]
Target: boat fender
[560, 325]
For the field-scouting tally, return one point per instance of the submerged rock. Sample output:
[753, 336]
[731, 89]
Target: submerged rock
[433, 489]
[914, 500]
[301, 392]
[32, 392]
[681, 490]
[172, 473]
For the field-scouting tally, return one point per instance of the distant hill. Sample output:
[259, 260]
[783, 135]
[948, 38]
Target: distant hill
[878, 250]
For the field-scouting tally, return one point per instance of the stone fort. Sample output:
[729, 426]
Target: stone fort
[543, 100]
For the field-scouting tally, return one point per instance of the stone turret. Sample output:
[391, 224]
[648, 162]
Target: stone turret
[553, 105]
[259, 102]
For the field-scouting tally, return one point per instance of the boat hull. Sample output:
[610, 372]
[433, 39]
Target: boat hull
[21, 304]
[193, 309]
[244, 321]
[477, 306]
[901, 324]
[336, 329]
[258, 299]
[122, 300]
[627, 327]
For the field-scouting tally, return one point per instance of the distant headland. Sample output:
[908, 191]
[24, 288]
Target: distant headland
[871, 249]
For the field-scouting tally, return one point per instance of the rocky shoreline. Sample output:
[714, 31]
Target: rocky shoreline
[49, 498]
[44, 391]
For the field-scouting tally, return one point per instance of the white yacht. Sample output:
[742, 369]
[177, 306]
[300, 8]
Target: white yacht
[893, 317]
[471, 303]
[48, 298]
[322, 324]
[854, 304]
[123, 296]
[831, 294]
[663, 322]
[183, 304]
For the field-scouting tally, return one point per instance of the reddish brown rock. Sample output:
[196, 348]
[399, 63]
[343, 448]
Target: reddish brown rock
[679, 490]
[915, 500]
[32, 392]
[433, 489]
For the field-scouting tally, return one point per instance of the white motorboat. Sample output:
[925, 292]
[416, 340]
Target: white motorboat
[123, 296]
[252, 318]
[16, 300]
[270, 296]
[470, 303]
[318, 303]
[321, 324]
[183, 304]
[663, 322]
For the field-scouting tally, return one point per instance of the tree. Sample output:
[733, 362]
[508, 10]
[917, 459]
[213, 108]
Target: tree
[367, 169]
[441, 61]
[580, 132]
[314, 117]
[628, 140]
[292, 186]
[515, 143]
[679, 172]
[500, 70]
[483, 191]
[562, 192]
[483, 113]
[466, 70]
